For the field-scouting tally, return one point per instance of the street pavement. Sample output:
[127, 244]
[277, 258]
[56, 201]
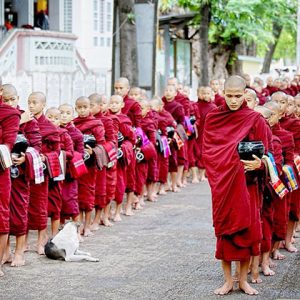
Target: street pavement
[165, 251]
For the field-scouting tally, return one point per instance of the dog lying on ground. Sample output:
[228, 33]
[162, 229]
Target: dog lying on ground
[65, 245]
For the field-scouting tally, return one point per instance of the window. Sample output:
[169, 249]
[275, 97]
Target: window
[95, 25]
[101, 16]
[108, 43]
[102, 42]
[68, 15]
[95, 41]
[95, 4]
[108, 8]
[108, 23]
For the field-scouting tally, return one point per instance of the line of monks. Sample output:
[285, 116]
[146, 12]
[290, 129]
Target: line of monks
[251, 153]
[58, 166]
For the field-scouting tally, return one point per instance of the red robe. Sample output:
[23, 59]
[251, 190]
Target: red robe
[125, 127]
[70, 207]
[55, 198]
[164, 120]
[86, 183]
[235, 203]
[203, 108]
[271, 89]
[38, 203]
[100, 195]
[292, 125]
[9, 126]
[19, 200]
[280, 218]
[133, 110]
[142, 168]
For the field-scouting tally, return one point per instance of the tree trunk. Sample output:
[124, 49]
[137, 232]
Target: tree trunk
[128, 42]
[203, 39]
[269, 55]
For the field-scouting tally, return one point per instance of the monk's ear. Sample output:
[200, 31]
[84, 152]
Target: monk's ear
[123, 104]
[1, 90]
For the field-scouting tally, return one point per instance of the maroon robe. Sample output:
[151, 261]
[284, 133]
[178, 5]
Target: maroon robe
[235, 203]
[280, 217]
[9, 126]
[20, 185]
[133, 110]
[128, 161]
[70, 207]
[204, 108]
[38, 202]
[86, 183]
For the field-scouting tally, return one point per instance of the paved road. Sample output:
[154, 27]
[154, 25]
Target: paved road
[164, 252]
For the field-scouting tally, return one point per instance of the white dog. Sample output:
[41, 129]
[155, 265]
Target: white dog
[65, 245]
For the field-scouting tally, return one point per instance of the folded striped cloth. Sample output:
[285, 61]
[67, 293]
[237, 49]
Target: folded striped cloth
[166, 146]
[77, 166]
[101, 157]
[37, 165]
[112, 154]
[62, 163]
[53, 165]
[5, 158]
[275, 182]
[290, 178]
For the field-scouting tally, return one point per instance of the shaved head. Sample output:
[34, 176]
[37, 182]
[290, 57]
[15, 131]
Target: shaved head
[82, 99]
[272, 106]
[66, 105]
[279, 95]
[251, 93]
[9, 89]
[97, 98]
[38, 95]
[235, 82]
[53, 110]
[266, 112]
[123, 80]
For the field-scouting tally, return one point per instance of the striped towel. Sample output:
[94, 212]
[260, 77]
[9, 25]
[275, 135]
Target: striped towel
[62, 163]
[290, 178]
[37, 165]
[297, 163]
[166, 147]
[275, 182]
[101, 157]
[53, 165]
[5, 158]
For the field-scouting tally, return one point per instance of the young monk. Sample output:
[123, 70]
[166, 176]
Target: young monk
[164, 121]
[38, 203]
[132, 109]
[280, 217]
[205, 105]
[70, 207]
[19, 197]
[177, 112]
[55, 185]
[297, 106]
[9, 124]
[89, 125]
[116, 104]
[98, 108]
[215, 86]
[236, 218]
[147, 147]
[135, 93]
[182, 157]
[291, 124]
[251, 99]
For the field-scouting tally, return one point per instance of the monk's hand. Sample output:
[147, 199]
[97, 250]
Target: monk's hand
[251, 165]
[89, 149]
[18, 160]
[43, 158]
[26, 117]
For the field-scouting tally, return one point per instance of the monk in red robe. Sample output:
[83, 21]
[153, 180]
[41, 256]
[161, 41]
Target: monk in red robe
[9, 126]
[19, 199]
[70, 207]
[98, 108]
[205, 105]
[133, 110]
[38, 201]
[135, 93]
[55, 184]
[297, 106]
[182, 153]
[235, 192]
[281, 206]
[291, 124]
[116, 104]
[251, 98]
[164, 121]
[177, 112]
[88, 125]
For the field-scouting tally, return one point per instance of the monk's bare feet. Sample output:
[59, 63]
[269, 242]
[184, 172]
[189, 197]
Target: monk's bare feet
[272, 265]
[26, 248]
[107, 223]
[256, 279]
[18, 261]
[162, 192]
[87, 233]
[195, 180]
[7, 257]
[247, 289]
[291, 248]
[267, 271]
[225, 289]
[95, 227]
[129, 212]
[117, 218]
[138, 206]
[203, 179]
[152, 199]
[277, 255]
[40, 249]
